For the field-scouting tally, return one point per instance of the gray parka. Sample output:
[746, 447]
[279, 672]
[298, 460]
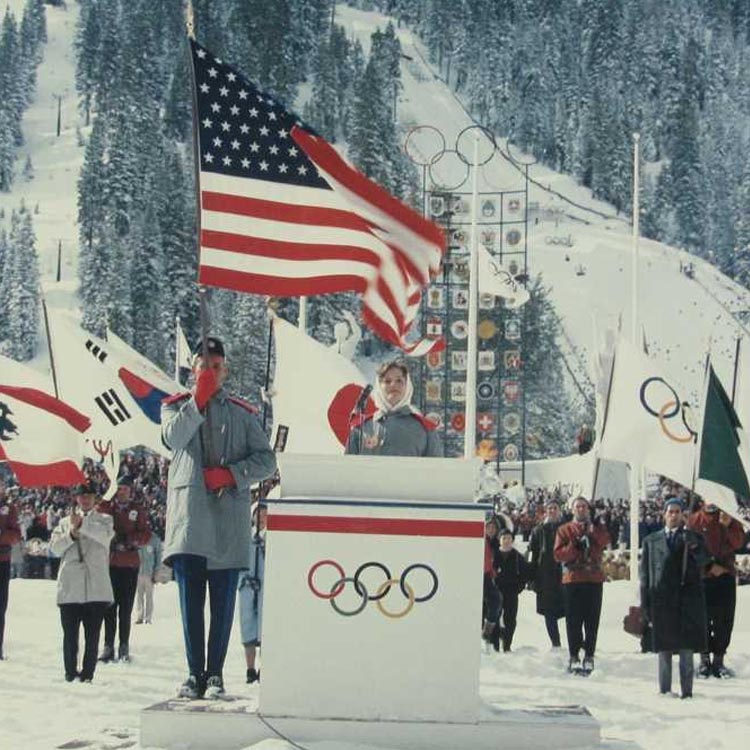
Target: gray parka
[84, 567]
[403, 432]
[199, 522]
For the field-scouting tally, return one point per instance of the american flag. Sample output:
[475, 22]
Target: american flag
[276, 221]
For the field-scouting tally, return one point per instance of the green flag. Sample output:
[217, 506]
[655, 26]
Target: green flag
[721, 435]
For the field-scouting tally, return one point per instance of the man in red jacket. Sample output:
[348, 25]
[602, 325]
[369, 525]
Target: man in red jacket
[723, 537]
[132, 530]
[578, 547]
[10, 534]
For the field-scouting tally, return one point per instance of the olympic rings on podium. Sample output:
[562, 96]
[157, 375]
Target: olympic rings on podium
[339, 584]
[405, 611]
[358, 587]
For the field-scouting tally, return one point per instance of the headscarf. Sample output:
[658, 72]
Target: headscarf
[378, 392]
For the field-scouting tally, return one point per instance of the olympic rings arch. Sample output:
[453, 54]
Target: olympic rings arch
[406, 589]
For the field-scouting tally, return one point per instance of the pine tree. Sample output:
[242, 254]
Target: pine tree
[7, 151]
[21, 299]
[12, 93]
[551, 418]
[4, 265]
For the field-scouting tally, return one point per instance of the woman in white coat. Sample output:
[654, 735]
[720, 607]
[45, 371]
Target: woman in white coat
[84, 590]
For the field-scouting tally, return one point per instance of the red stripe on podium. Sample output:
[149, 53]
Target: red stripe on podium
[385, 526]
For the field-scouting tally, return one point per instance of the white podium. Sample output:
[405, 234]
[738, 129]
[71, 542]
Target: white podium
[371, 617]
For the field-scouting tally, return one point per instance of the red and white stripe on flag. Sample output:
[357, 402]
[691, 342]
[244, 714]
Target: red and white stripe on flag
[272, 224]
[39, 437]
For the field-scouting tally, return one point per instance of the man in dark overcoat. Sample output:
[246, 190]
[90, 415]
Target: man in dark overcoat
[546, 571]
[672, 595]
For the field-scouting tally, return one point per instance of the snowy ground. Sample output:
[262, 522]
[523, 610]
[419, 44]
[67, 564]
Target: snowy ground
[41, 711]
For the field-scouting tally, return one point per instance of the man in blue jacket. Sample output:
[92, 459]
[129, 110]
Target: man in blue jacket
[218, 450]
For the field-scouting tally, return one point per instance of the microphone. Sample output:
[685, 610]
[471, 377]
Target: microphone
[362, 400]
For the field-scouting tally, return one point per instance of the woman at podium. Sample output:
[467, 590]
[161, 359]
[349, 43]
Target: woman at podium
[395, 428]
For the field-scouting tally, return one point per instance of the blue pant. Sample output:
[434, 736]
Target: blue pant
[193, 578]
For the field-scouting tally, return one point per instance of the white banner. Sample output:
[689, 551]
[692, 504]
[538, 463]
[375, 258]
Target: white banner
[314, 391]
[124, 405]
[648, 420]
[496, 280]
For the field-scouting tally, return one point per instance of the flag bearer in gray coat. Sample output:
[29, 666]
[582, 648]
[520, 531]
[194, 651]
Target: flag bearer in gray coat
[218, 450]
[84, 589]
[672, 595]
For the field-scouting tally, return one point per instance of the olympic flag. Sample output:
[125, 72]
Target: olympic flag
[648, 422]
[496, 280]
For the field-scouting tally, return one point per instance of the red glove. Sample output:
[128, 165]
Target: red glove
[217, 478]
[205, 387]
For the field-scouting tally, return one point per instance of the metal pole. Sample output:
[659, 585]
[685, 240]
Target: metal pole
[736, 368]
[59, 260]
[636, 232]
[635, 470]
[268, 370]
[470, 413]
[177, 348]
[49, 347]
[302, 322]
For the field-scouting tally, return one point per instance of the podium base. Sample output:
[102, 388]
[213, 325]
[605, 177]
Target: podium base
[230, 725]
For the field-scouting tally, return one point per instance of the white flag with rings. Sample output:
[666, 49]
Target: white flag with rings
[495, 279]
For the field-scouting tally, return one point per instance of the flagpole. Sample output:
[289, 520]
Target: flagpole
[208, 458]
[604, 423]
[49, 346]
[634, 470]
[736, 368]
[636, 231]
[470, 413]
[302, 320]
[177, 348]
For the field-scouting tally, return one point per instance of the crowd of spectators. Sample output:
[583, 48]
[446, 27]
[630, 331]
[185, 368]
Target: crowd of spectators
[40, 510]
[523, 511]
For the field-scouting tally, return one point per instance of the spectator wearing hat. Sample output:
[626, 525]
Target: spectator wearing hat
[132, 531]
[218, 450]
[250, 590]
[579, 545]
[546, 572]
[723, 537]
[672, 598]
[84, 588]
[511, 575]
[396, 428]
[10, 534]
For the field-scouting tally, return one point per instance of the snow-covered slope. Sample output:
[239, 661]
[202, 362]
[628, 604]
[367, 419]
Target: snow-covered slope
[52, 193]
[681, 316]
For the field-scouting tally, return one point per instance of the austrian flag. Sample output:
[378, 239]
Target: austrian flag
[283, 214]
[39, 434]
